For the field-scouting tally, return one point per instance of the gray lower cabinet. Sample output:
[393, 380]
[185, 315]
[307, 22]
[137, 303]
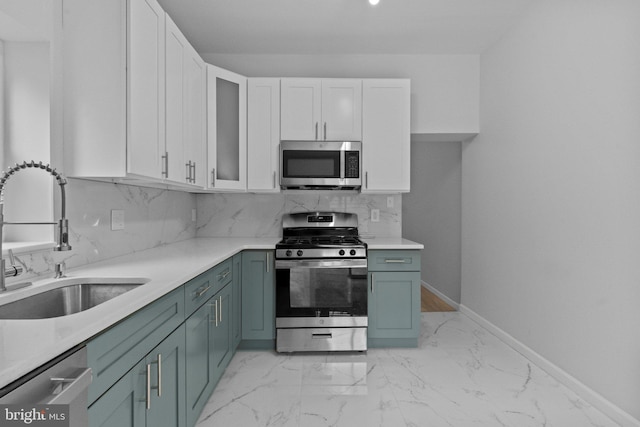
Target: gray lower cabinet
[236, 300]
[394, 298]
[209, 349]
[151, 393]
[258, 299]
[159, 366]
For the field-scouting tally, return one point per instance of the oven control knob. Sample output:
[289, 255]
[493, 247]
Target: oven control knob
[299, 252]
[352, 252]
[341, 252]
[288, 253]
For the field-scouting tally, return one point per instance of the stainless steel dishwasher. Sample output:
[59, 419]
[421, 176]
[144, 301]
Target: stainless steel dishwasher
[54, 394]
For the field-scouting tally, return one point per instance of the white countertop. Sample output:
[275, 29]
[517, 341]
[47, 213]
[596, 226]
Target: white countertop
[374, 243]
[28, 344]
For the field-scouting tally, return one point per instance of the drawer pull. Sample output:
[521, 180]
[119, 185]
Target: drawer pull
[224, 274]
[321, 336]
[395, 261]
[201, 291]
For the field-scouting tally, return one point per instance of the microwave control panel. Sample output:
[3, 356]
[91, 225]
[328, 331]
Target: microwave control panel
[352, 164]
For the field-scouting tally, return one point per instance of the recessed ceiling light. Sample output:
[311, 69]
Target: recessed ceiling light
[374, 2]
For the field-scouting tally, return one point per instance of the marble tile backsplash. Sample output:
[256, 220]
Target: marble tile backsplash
[154, 217]
[247, 215]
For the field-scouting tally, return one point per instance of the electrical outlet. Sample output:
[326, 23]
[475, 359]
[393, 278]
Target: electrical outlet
[117, 219]
[375, 215]
[389, 201]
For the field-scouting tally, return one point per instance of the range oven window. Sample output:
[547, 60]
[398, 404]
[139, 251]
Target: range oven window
[321, 292]
[310, 164]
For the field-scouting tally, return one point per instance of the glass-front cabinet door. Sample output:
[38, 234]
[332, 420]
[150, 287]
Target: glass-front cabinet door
[227, 130]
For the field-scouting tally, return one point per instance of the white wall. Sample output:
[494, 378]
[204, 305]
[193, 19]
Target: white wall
[444, 88]
[431, 212]
[551, 192]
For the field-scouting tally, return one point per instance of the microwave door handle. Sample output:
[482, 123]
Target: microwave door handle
[343, 164]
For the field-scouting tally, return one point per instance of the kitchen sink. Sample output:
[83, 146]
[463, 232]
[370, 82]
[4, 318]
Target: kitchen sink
[67, 299]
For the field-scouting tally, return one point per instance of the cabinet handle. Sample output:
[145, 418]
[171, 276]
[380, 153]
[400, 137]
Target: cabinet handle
[274, 180]
[159, 375]
[316, 138]
[366, 180]
[188, 165]
[165, 166]
[213, 177]
[148, 400]
[395, 261]
[216, 306]
[325, 131]
[268, 262]
[193, 175]
[372, 283]
[201, 291]
[220, 310]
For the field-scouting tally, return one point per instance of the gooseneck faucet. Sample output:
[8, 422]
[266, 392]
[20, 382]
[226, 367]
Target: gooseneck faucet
[63, 222]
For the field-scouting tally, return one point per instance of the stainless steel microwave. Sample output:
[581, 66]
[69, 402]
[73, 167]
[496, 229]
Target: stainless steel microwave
[321, 165]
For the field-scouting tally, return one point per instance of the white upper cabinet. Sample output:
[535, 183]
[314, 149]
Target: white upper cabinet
[146, 87]
[226, 130]
[195, 116]
[321, 109]
[263, 134]
[173, 156]
[386, 140]
[185, 110]
[114, 88]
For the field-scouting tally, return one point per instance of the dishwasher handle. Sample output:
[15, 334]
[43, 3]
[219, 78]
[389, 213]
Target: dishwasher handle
[66, 390]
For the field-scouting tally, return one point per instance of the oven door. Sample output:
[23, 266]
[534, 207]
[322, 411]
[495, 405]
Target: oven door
[311, 293]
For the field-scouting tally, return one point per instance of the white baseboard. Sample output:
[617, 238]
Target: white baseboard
[440, 295]
[615, 413]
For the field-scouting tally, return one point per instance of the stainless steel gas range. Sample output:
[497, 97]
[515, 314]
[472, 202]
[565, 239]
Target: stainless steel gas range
[321, 284]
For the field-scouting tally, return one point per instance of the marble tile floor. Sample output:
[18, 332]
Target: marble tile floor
[461, 375]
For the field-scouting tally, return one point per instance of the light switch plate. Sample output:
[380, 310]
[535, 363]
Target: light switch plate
[375, 215]
[117, 219]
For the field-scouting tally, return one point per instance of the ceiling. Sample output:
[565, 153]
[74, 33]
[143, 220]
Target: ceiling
[343, 26]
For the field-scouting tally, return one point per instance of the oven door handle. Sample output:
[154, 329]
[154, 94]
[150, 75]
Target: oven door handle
[325, 263]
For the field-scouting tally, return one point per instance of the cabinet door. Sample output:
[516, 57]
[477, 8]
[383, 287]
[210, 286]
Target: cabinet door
[222, 332]
[145, 88]
[258, 296]
[386, 135]
[123, 405]
[166, 367]
[174, 167]
[263, 135]
[341, 110]
[199, 351]
[195, 124]
[394, 304]
[236, 301]
[301, 109]
[226, 130]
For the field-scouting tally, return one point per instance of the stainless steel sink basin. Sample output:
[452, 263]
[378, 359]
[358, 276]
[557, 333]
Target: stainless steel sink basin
[64, 300]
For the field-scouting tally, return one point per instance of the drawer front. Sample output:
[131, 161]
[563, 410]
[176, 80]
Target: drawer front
[197, 291]
[112, 353]
[222, 274]
[394, 260]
